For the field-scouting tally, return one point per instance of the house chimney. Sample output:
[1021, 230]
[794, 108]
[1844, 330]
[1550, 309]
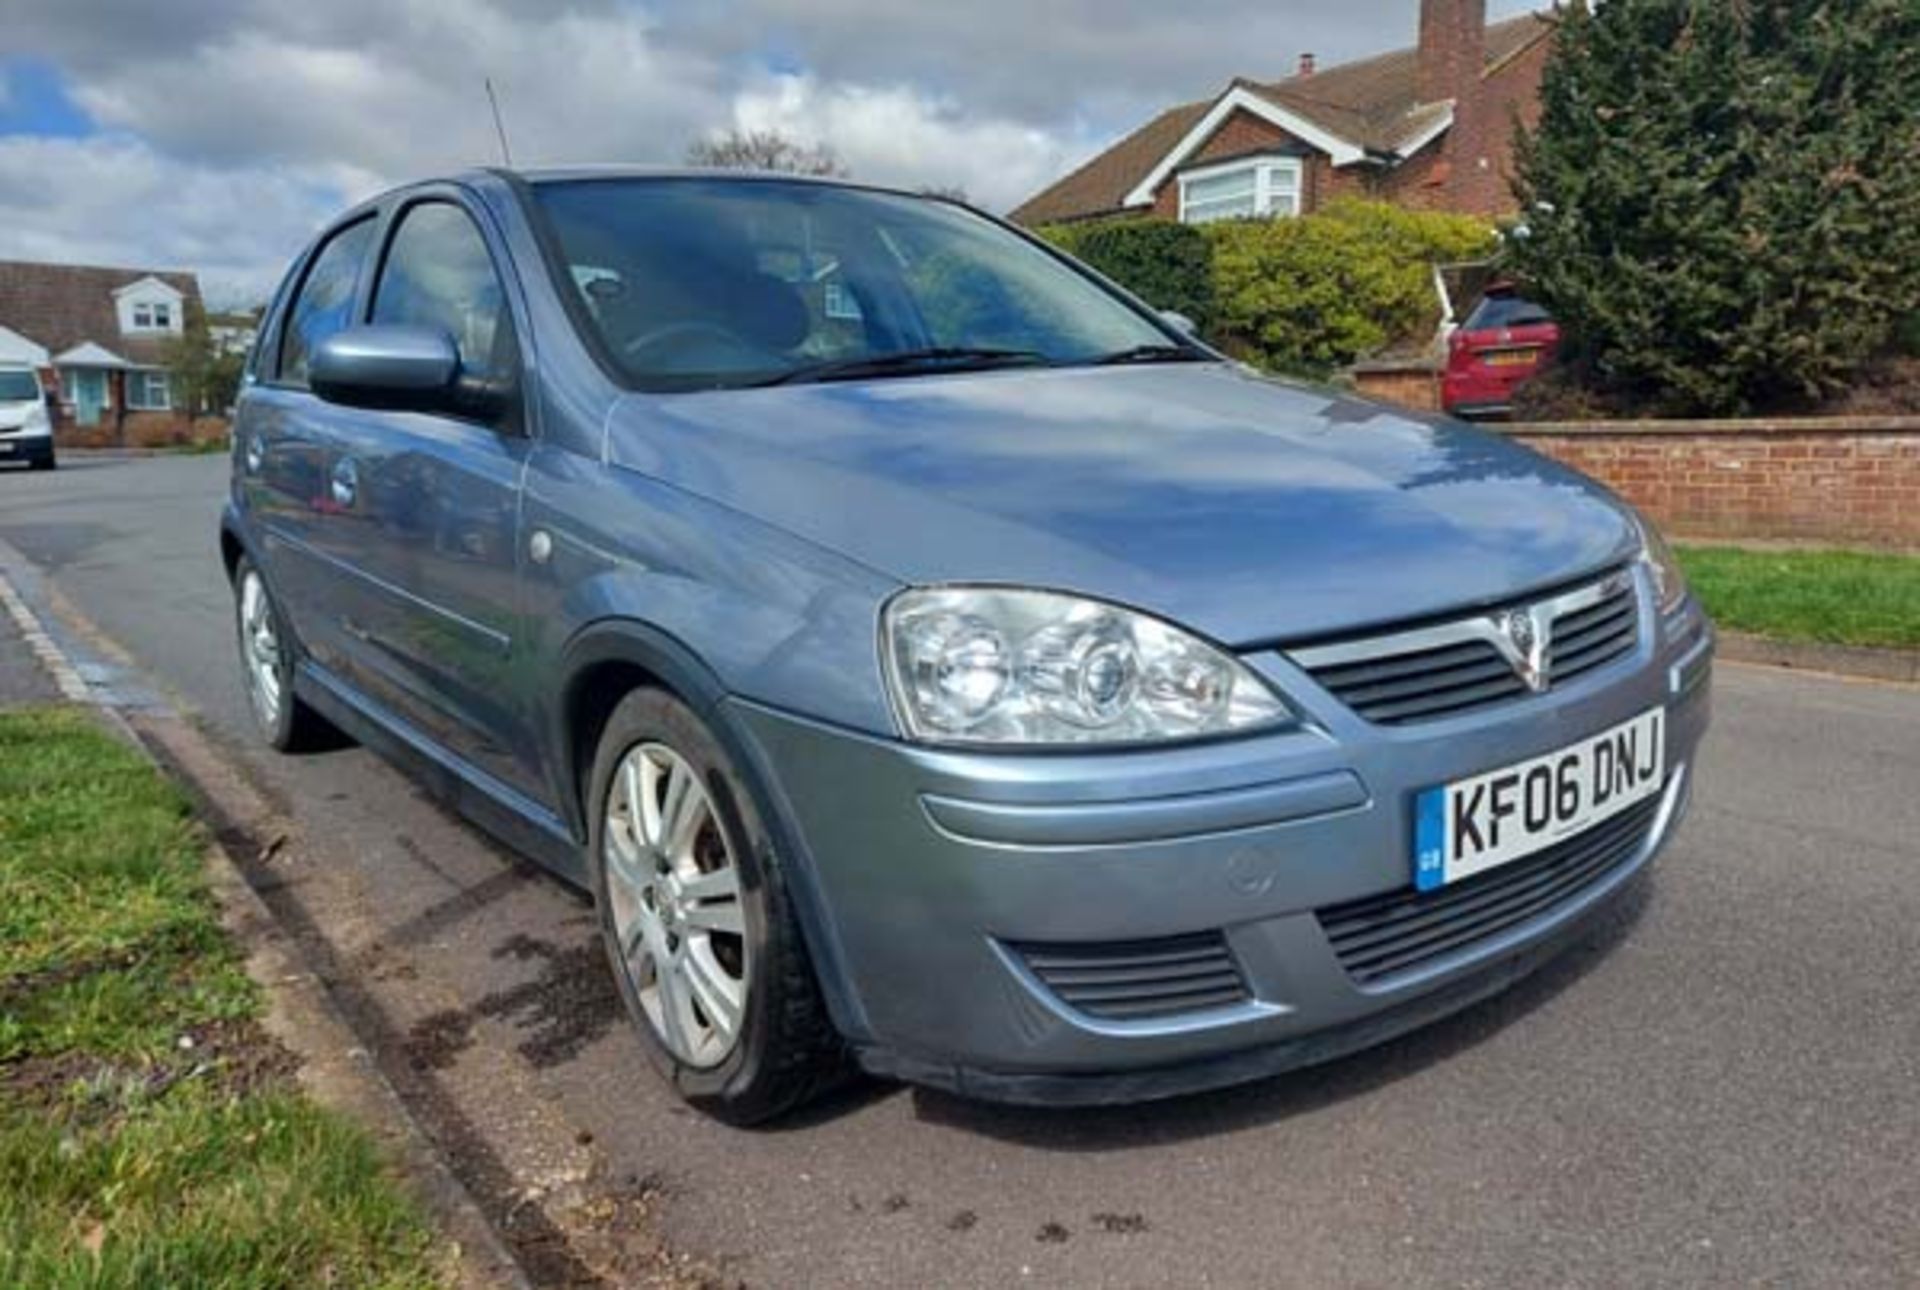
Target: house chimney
[1307, 65]
[1453, 49]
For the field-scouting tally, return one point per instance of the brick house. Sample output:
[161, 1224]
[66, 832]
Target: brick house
[1429, 126]
[97, 337]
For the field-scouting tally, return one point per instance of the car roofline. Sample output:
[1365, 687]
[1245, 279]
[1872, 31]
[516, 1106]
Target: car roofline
[537, 175]
[534, 176]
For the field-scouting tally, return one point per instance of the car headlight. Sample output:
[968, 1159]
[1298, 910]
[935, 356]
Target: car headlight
[986, 665]
[36, 418]
[1669, 582]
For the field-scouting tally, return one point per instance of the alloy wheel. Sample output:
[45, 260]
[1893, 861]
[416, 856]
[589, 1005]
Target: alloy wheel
[260, 650]
[674, 888]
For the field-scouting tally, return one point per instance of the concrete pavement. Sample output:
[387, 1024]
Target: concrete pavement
[1718, 1090]
[23, 681]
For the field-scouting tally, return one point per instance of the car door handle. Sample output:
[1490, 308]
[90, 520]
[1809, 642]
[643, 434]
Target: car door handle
[346, 481]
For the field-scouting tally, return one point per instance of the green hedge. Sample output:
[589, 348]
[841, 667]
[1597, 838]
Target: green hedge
[1167, 265]
[1310, 295]
[1294, 295]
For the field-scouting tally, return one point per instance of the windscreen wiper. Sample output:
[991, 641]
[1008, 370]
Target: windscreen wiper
[938, 358]
[1152, 354]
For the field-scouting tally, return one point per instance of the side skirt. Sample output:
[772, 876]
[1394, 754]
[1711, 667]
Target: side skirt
[509, 815]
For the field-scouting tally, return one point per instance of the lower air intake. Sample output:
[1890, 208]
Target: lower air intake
[1139, 980]
[1383, 936]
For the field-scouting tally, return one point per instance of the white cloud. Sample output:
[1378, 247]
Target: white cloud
[403, 95]
[897, 135]
[232, 128]
[117, 201]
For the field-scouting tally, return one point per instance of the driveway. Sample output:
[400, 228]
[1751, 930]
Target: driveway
[1720, 1089]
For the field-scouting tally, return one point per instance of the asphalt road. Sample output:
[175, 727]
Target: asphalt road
[1723, 1088]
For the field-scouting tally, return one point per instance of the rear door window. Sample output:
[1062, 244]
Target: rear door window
[324, 304]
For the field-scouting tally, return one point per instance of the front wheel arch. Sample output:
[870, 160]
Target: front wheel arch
[602, 664]
[607, 660]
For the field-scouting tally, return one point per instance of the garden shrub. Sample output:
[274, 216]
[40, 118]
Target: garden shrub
[1293, 295]
[1168, 265]
[1309, 295]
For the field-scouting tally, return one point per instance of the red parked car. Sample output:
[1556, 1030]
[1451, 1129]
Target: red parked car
[1505, 340]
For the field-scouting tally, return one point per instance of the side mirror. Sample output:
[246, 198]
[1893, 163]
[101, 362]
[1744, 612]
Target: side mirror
[413, 369]
[1179, 322]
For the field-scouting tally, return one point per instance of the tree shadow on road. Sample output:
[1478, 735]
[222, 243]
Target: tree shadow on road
[1199, 1115]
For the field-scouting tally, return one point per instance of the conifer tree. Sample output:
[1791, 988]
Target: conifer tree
[1721, 201]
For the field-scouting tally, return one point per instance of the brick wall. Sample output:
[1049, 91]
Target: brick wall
[1240, 134]
[1846, 480]
[141, 430]
[1424, 181]
[1409, 384]
[1478, 150]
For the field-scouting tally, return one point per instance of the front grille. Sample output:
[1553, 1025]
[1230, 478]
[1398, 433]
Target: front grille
[1384, 936]
[1429, 683]
[1457, 667]
[1139, 980]
[1585, 639]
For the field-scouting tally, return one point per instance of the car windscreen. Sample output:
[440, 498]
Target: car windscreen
[1506, 311]
[699, 283]
[19, 387]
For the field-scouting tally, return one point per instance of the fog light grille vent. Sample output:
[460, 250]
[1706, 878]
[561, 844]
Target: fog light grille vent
[1139, 980]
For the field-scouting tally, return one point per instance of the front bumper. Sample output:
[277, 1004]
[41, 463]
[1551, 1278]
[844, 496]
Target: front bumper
[1482, 394]
[26, 445]
[933, 872]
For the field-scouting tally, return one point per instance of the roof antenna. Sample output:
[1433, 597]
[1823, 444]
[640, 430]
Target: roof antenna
[499, 126]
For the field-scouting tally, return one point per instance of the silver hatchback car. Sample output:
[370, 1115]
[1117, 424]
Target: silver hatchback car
[932, 659]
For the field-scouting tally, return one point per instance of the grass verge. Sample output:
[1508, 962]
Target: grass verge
[150, 1130]
[1834, 597]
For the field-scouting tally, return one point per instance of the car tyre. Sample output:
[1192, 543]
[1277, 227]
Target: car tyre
[266, 662]
[654, 755]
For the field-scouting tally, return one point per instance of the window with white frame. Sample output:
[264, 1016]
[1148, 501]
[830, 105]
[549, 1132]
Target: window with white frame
[153, 316]
[1248, 189]
[838, 302]
[149, 391]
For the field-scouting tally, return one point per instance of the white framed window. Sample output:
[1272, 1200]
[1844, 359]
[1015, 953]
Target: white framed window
[150, 305]
[149, 391]
[1251, 188]
[838, 302]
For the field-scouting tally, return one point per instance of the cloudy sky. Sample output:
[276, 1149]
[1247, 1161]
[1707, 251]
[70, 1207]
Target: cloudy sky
[213, 134]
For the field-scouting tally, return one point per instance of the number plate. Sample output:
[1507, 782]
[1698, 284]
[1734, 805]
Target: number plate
[1473, 825]
[1512, 358]
[6, 449]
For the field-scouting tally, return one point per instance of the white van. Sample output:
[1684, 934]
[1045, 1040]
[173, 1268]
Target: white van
[26, 433]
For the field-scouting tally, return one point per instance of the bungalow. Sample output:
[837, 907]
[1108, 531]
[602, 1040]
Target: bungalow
[96, 336]
[1429, 126]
